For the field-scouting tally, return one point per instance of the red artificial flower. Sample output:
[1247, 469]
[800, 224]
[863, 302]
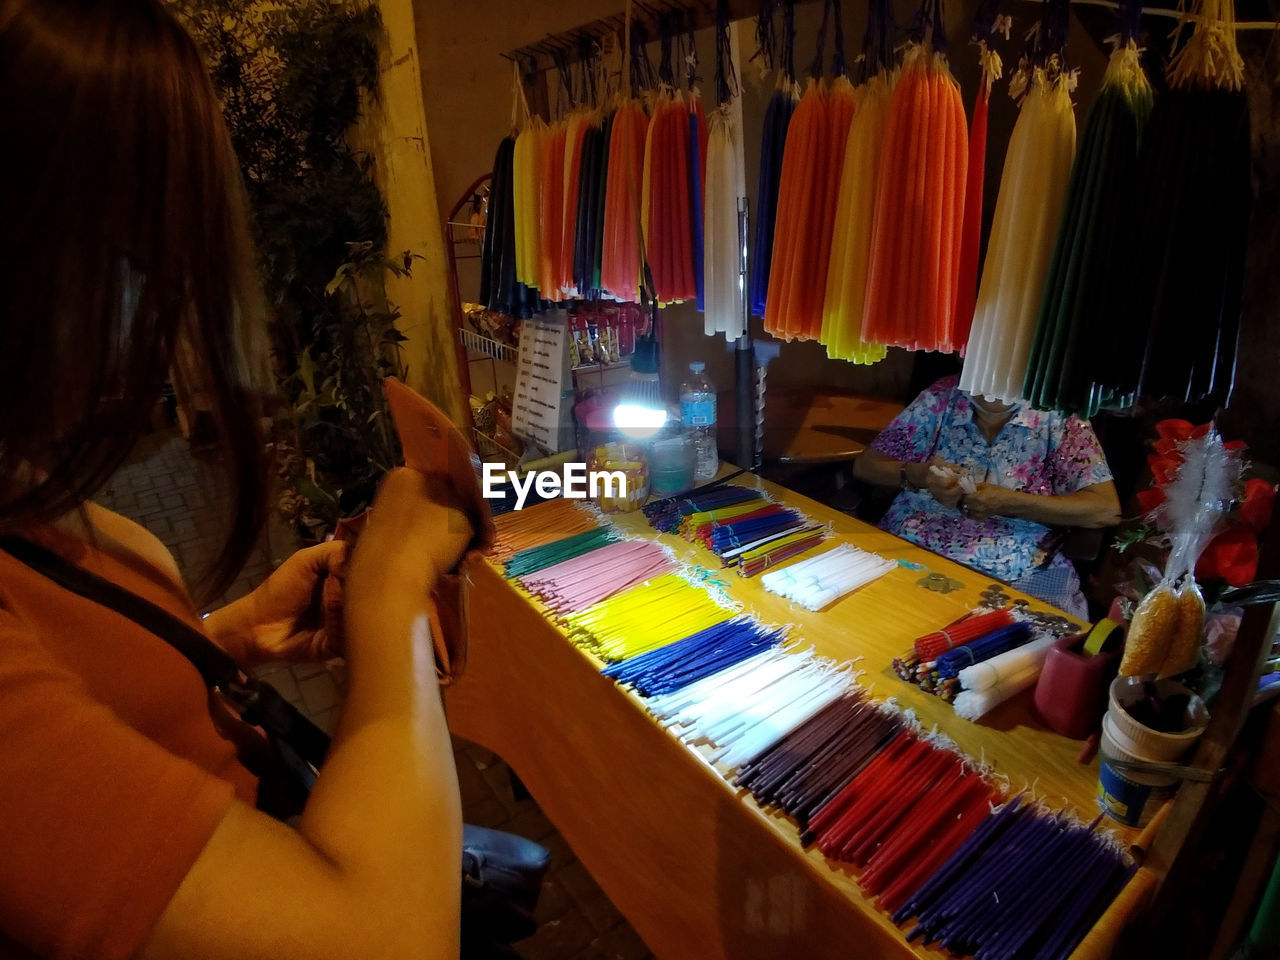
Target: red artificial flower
[1164, 469]
[1175, 429]
[1259, 499]
[1231, 556]
[1150, 498]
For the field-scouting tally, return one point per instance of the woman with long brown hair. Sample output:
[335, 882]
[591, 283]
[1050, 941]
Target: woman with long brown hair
[127, 824]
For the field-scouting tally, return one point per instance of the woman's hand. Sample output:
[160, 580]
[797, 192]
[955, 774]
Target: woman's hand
[1093, 507]
[988, 500]
[944, 482]
[416, 532]
[284, 618]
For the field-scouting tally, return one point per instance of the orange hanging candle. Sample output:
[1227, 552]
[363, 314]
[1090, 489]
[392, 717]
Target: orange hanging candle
[914, 271]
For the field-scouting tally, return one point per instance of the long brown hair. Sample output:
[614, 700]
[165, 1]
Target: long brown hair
[122, 229]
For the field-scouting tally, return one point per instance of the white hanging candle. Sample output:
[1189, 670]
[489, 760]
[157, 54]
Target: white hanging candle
[1028, 210]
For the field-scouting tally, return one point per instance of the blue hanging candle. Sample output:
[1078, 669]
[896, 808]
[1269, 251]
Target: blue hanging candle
[777, 119]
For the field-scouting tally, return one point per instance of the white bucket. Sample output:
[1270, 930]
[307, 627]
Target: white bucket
[1130, 796]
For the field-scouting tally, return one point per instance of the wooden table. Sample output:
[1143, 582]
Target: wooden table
[696, 866]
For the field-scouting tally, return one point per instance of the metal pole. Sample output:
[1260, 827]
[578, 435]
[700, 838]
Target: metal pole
[744, 379]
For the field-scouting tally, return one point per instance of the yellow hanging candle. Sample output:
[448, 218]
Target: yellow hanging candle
[851, 241]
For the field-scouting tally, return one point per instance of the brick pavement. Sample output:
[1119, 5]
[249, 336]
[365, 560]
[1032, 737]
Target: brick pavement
[168, 490]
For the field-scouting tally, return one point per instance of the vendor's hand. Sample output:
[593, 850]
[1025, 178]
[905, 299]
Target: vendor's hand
[416, 532]
[283, 619]
[944, 483]
[988, 500]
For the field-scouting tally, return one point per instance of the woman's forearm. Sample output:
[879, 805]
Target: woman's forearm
[1095, 506]
[884, 471]
[385, 807]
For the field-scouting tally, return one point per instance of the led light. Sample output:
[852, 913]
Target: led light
[639, 422]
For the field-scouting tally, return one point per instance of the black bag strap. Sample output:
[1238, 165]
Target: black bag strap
[259, 703]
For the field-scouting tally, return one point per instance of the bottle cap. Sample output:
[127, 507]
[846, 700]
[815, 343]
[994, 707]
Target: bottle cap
[697, 366]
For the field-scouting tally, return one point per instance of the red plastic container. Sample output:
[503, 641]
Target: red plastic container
[1071, 694]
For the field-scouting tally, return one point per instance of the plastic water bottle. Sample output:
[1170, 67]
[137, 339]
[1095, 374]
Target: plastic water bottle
[698, 416]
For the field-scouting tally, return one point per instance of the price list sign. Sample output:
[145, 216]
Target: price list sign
[535, 413]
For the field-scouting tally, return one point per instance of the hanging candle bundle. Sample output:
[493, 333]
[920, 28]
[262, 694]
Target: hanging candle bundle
[1024, 884]
[987, 23]
[1174, 334]
[914, 268]
[777, 119]
[539, 525]
[577, 582]
[824, 579]
[526, 162]
[1033, 189]
[592, 191]
[533, 559]
[851, 240]
[742, 711]
[723, 184]
[812, 163]
[1090, 266]
[990, 683]
[622, 249]
[551, 210]
[576, 157]
[666, 196]
[697, 161]
[685, 662]
[500, 291]
[644, 618]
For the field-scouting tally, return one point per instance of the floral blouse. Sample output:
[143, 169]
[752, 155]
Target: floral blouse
[1036, 451]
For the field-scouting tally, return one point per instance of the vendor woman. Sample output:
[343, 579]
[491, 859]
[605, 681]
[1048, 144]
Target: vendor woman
[984, 483]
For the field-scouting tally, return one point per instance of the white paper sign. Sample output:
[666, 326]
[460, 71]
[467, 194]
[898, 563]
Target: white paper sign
[535, 413]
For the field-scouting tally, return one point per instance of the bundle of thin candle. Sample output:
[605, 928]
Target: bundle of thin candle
[901, 815]
[824, 579]
[809, 185]
[723, 183]
[746, 708]
[667, 515]
[533, 559]
[1033, 189]
[984, 27]
[1024, 885]
[842, 304]
[687, 661]
[950, 663]
[914, 269]
[645, 617]
[967, 628]
[867, 788]
[578, 582]
[986, 685]
[540, 525]
[740, 526]
[1174, 332]
[1090, 266]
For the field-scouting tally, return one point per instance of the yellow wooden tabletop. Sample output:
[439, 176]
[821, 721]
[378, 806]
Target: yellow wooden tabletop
[880, 621]
[698, 868]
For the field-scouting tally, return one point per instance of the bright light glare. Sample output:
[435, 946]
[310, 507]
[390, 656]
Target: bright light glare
[639, 422]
